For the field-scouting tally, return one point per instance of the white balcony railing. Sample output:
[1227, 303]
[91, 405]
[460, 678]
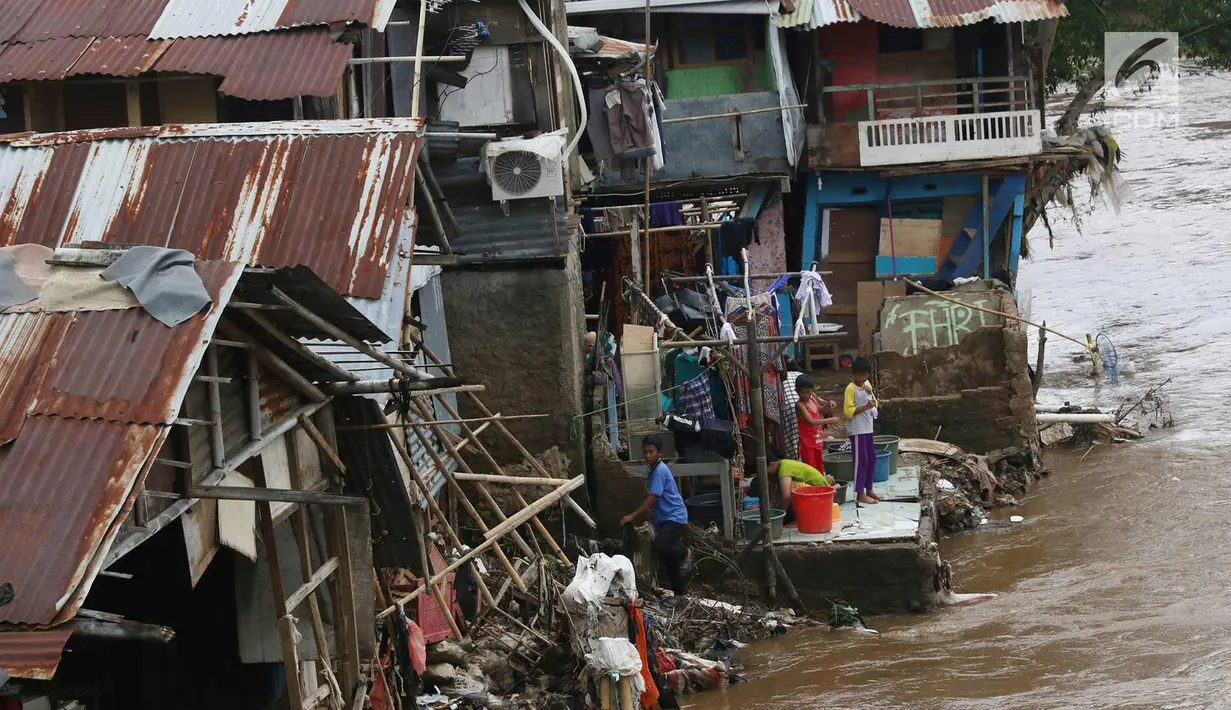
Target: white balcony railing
[938, 139]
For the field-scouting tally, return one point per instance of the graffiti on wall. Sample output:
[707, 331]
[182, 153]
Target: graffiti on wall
[915, 323]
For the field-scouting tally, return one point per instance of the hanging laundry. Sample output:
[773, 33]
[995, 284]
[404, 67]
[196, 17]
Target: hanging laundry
[634, 243]
[596, 123]
[628, 119]
[694, 398]
[811, 285]
[615, 218]
[658, 161]
[666, 214]
[737, 234]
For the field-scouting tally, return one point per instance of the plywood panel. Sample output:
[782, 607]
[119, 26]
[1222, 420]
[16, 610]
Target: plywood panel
[487, 99]
[872, 295]
[909, 237]
[188, 100]
[854, 236]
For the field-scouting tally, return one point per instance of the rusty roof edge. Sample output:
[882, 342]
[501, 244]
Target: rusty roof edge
[354, 126]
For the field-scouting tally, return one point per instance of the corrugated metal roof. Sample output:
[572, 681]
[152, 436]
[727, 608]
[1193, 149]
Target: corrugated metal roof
[66, 483]
[27, 343]
[49, 60]
[331, 202]
[810, 14]
[193, 18]
[264, 67]
[33, 655]
[147, 367]
[119, 56]
[72, 18]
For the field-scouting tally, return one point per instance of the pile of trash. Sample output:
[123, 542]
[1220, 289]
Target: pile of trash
[584, 637]
[969, 485]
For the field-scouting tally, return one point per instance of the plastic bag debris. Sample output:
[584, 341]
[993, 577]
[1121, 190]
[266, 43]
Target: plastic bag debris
[617, 655]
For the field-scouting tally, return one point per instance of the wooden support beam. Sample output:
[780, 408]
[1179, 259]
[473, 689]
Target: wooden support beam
[185, 421]
[493, 536]
[212, 379]
[218, 449]
[345, 623]
[487, 420]
[510, 480]
[322, 443]
[176, 509]
[122, 630]
[289, 374]
[337, 371]
[319, 576]
[317, 697]
[255, 420]
[337, 333]
[457, 489]
[303, 542]
[286, 627]
[272, 495]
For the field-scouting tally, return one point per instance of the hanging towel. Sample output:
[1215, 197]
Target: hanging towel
[811, 285]
[666, 214]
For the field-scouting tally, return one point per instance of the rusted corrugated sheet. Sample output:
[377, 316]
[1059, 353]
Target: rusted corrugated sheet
[74, 18]
[16, 14]
[331, 202]
[119, 56]
[66, 481]
[925, 13]
[49, 60]
[269, 66]
[27, 343]
[193, 18]
[124, 366]
[33, 655]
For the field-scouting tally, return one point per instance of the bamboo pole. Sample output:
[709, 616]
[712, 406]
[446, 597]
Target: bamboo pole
[504, 431]
[461, 495]
[415, 88]
[493, 536]
[510, 480]
[437, 513]
[1038, 362]
[649, 167]
[732, 114]
[659, 230]
[429, 423]
[454, 452]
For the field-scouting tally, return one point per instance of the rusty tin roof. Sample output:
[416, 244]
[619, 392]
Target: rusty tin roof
[193, 18]
[32, 654]
[85, 421]
[329, 195]
[921, 13]
[49, 40]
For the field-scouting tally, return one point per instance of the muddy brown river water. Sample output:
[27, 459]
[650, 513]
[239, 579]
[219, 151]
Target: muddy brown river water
[1116, 591]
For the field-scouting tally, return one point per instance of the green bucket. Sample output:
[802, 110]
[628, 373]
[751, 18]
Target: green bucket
[888, 443]
[841, 466]
[752, 523]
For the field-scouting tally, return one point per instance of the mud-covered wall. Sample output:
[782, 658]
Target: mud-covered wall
[517, 331]
[949, 368]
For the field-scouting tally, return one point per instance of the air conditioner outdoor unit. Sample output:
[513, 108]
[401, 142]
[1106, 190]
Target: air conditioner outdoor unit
[521, 169]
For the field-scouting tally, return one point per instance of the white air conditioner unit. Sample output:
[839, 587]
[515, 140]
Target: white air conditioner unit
[522, 169]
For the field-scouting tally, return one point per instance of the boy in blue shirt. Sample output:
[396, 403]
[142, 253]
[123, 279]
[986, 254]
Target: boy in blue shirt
[669, 515]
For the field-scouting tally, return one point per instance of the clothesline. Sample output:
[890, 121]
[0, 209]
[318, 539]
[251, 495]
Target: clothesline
[659, 230]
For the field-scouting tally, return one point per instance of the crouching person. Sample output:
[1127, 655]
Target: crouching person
[670, 517]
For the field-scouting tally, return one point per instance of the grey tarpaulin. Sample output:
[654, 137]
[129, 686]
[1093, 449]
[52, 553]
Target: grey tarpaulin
[163, 280]
[13, 291]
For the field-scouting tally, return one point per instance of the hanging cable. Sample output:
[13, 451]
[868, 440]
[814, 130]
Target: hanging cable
[572, 69]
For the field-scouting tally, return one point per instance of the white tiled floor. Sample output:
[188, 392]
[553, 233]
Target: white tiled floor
[895, 518]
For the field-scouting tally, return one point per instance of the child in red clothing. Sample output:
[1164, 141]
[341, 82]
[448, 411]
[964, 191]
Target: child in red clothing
[814, 415]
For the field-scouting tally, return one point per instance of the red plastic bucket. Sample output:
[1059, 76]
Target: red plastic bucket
[814, 508]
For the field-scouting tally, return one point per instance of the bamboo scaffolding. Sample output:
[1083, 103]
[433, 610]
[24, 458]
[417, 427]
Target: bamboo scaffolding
[433, 422]
[478, 404]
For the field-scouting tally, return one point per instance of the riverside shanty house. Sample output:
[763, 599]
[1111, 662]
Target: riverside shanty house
[138, 438]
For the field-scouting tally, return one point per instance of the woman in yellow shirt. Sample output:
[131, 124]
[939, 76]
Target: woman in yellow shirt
[794, 474]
